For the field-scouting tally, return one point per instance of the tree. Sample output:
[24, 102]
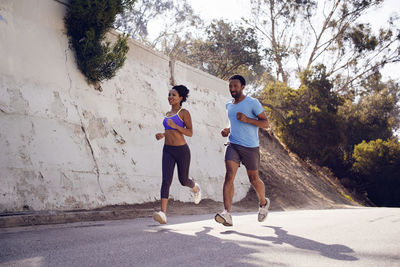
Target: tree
[341, 103]
[226, 50]
[377, 165]
[220, 48]
[314, 32]
[87, 22]
[175, 16]
[375, 115]
[306, 119]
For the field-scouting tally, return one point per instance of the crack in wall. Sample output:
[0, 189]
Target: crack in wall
[68, 75]
[118, 138]
[97, 170]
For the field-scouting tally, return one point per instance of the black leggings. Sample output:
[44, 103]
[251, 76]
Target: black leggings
[181, 156]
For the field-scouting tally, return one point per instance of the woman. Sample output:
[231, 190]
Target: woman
[177, 123]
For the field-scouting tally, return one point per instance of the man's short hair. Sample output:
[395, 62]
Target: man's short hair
[238, 77]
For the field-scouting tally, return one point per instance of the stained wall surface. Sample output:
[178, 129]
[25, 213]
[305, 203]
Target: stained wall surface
[65, 145]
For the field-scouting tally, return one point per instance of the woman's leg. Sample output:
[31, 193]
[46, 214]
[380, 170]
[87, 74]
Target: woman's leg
[168, 166]
[164, 203]
[183, 162]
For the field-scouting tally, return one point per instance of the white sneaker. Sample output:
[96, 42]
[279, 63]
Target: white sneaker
[263, 211]
[160, 217]
[197, 195]
[224, 217]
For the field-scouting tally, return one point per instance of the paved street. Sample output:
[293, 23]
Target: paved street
[348, 237]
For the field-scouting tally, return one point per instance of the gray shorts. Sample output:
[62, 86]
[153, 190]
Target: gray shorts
[249, 156]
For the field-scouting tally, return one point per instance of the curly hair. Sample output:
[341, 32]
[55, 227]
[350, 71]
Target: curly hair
[182, 91]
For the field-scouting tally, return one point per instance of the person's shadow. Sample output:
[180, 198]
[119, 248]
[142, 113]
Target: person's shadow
[334, 251]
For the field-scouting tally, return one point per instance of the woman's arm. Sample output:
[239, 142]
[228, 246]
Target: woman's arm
[160, 136]
[187, 119]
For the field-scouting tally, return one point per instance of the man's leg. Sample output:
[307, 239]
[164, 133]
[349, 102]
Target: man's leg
[258, 186]
[228, 189]
[225, 217]
[260, 190]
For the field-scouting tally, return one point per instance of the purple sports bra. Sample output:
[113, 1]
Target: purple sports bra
[178, 121]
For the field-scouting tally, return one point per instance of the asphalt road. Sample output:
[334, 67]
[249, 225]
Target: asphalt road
[345, 237]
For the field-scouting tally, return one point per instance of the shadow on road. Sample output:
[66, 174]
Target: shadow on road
[138, 243]
[200, 249]
[334, 251]
[121, 244]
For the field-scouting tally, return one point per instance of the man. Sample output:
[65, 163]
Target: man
[246, 115]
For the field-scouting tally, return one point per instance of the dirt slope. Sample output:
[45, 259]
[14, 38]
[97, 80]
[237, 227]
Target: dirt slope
[294, 184]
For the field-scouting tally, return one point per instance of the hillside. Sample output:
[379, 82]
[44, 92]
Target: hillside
[294, 184]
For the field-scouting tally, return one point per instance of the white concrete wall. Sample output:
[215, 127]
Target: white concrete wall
[64, 145]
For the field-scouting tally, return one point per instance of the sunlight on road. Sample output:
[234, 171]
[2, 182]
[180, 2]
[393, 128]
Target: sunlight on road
[299, 238]
[35, 261]
[242, 223]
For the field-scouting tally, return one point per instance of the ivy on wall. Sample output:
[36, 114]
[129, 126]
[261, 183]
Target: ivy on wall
[87, 22]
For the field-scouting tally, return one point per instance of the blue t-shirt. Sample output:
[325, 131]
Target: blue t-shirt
[244, 134]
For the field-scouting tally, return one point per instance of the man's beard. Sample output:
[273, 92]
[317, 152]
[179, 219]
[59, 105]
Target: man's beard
[236, 95]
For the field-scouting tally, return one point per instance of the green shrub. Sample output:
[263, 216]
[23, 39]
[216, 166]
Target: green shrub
[306, 119]
[377, 165]
[87, 22]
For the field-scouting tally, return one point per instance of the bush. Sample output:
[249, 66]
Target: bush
[306, 119]
[87, 22]
[377, 166]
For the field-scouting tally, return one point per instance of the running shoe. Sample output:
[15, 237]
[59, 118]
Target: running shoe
[197, 195]
[160, 217]
[263, 211]
[224, 217]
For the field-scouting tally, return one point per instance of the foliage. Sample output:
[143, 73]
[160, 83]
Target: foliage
[175, 16]
[350, 50]
[374, 116]
[306, 119]
[87, 22]
[340, 104]
[219, 48]
[318, 124]
[377, 164]
[226, 50]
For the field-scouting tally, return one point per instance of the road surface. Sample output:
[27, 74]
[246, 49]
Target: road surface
[343, 237]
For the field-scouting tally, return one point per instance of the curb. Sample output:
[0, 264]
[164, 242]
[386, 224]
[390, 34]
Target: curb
[56, 217]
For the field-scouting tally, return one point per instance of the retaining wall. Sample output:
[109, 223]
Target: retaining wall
[65, 145]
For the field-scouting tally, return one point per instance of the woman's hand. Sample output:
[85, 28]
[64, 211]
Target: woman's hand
[172, 124]
[159, 136]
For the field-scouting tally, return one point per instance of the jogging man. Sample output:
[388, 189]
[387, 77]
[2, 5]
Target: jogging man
[246, 115]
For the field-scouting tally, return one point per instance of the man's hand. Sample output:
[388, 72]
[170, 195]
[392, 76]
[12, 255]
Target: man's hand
[225, 132]
[159, 136]
[241, 117]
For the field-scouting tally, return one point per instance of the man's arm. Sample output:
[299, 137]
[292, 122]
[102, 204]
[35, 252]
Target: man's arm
[262, 121]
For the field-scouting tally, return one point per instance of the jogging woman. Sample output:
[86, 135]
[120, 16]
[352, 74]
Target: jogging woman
[177, 123]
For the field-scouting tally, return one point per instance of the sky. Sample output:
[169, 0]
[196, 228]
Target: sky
[233, 10]
[228, 9]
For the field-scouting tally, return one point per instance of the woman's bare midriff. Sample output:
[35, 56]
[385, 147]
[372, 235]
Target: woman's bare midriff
[174, 138]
